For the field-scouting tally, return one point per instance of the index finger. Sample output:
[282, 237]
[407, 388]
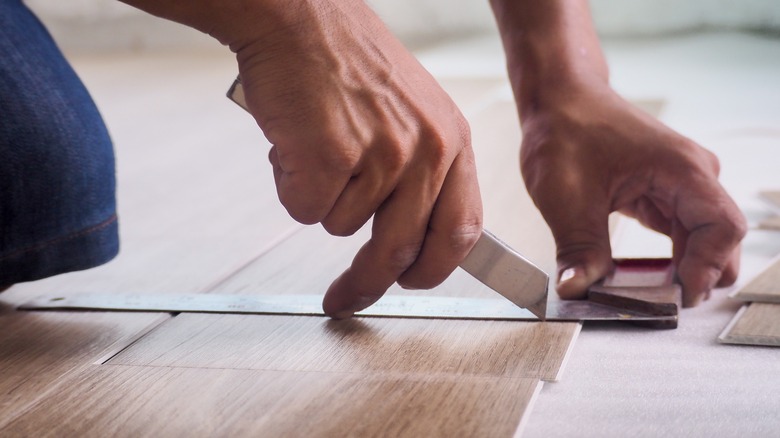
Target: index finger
[397, 236]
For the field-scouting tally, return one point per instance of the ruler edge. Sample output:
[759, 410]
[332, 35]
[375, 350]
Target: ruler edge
[34, 305]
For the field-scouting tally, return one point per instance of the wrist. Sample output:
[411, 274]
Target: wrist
[552, 50]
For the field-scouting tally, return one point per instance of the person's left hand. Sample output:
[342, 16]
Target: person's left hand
[587, 152]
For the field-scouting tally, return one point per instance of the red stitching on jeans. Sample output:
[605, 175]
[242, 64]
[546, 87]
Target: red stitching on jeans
[91, 229]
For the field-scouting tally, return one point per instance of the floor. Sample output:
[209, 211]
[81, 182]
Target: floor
[199, 214]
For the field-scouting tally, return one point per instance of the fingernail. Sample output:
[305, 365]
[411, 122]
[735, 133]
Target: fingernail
[567, 275]
[572, 283]
[694, 300]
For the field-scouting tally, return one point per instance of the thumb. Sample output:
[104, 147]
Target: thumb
[584, 255]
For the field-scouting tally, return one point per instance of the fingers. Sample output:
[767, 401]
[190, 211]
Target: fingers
[307, 189]
[364, 193]
[413, 242]
[455, 226]
[397, 236]
[578, 217]
[584, 256]
[708, 245]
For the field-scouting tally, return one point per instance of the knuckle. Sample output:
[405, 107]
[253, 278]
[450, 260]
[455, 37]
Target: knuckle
[341, 227]
[401, 256]
[727, 278]
[339, 155]
[395, 156]
[713, 160]
[444, 142]
[735, 227]
[301, 214]
[306, 210]
[463, 237]
[464, 130]
[419, 283]
[581, 246]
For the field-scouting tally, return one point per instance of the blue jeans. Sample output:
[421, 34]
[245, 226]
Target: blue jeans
[57, 207]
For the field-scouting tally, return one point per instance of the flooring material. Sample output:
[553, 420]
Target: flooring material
[369, 345]
[105, 401]
[772, 196]
[754, 324]
[772, 223]
[38, 350]
[765, 287]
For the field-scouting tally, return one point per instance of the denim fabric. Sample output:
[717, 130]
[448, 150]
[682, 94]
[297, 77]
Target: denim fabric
[57, 207]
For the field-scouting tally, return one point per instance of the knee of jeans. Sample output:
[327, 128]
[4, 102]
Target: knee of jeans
[56, 162]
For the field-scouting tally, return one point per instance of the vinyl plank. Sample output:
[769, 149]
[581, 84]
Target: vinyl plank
[771, 223]
[508, 209]
[469, 93]
[772, 196]
[310, 260]
[369, 345]
[765, 287]
[754, 324]
[105, 401]
[37, 350]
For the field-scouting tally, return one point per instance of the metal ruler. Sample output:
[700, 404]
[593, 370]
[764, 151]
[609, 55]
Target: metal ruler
[396, 306]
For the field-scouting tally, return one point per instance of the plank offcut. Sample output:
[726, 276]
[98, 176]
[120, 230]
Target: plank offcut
[754, 324]
[764, 288]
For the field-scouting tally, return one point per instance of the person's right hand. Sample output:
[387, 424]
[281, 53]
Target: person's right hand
[359, 129]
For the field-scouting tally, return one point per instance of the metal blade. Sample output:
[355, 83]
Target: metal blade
[504, 270]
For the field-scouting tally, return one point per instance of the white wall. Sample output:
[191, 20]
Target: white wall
[109, 24]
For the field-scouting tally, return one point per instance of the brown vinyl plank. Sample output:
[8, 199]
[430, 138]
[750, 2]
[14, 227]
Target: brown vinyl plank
[131, 401]
[38, 350]
[754, 324]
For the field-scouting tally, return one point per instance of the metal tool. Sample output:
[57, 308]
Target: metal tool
[391, 306]
[640, 291]
[490, 261]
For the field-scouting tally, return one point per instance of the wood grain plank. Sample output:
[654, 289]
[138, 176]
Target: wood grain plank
[309, 260]
[104, 401]
[470, 93]
[754, 324]
[765, 287]
[771, 223]
[772, 196]
[508, 209]
[371, 345]
[38, 349]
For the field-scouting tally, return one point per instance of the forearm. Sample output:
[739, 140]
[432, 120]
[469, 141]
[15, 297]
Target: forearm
[550, 45]
[238, 23]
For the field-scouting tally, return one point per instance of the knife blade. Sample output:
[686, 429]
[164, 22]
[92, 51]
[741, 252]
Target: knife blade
[491, 261]
[507, 272]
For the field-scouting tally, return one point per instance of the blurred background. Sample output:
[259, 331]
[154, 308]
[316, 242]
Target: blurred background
[108, 25]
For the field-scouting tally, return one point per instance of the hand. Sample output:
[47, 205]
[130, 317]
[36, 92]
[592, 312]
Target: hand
[360, 129]
[586, 152]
